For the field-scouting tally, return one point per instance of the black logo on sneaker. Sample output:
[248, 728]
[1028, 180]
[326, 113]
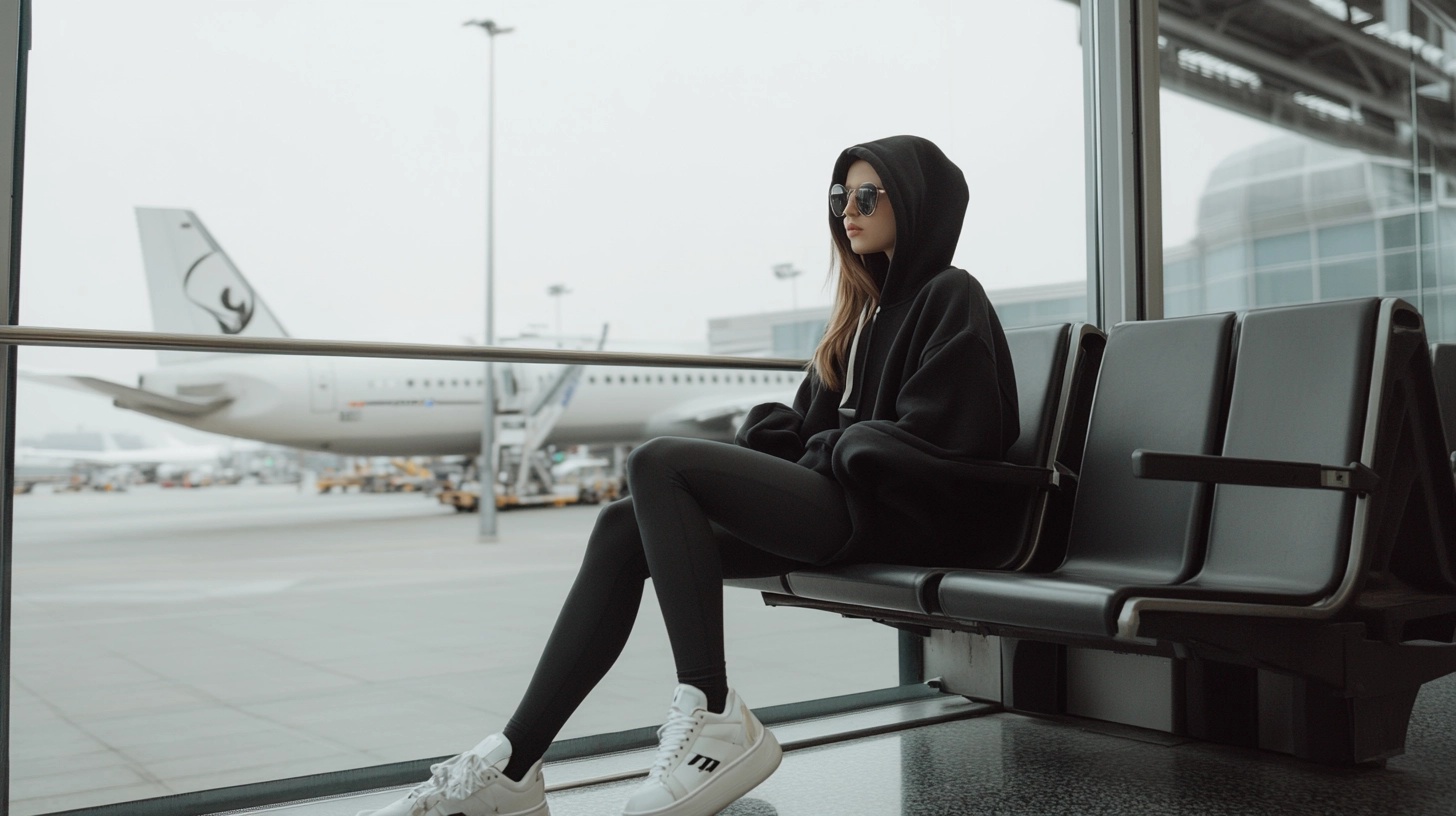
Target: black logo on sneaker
[708, 764]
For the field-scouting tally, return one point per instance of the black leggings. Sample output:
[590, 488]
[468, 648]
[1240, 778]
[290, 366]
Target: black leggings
[699, 512]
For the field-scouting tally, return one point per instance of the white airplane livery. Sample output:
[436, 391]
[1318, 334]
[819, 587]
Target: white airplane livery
[41, 463]
[379, 407]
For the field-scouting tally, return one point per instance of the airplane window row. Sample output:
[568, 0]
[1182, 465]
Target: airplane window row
[427, 383]
[638, 379]
[664, 379]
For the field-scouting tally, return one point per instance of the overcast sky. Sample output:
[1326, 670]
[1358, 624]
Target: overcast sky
[657, 158]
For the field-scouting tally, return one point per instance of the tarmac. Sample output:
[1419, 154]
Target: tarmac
[166, 641]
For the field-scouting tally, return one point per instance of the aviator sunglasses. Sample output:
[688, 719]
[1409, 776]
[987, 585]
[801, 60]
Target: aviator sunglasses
[866, 196]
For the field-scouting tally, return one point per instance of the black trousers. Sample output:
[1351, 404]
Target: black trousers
[700, 512]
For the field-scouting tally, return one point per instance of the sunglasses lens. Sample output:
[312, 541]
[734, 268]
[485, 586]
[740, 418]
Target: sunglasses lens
[865, 198]
[838, 200]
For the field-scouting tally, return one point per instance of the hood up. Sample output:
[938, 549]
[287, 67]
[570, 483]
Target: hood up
[929, 196]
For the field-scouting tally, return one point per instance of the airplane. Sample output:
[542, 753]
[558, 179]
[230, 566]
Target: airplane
[51, 461]
[382, 407]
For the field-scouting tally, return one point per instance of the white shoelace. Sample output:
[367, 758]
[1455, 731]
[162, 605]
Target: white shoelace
[455, 778]
[672, 738]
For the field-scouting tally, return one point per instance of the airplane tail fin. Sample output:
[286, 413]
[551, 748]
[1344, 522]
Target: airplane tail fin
[194, 286]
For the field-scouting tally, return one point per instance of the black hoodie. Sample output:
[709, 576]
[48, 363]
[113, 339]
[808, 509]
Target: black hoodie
[932, 382]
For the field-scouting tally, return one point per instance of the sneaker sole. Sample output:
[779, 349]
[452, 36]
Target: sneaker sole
[757, 764]
[539, 810]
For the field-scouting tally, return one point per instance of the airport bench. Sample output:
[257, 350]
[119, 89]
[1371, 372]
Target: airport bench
[1266, 501]
[1056, 368]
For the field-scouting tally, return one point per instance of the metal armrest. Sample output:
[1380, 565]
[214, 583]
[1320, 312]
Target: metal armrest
[1190, 467]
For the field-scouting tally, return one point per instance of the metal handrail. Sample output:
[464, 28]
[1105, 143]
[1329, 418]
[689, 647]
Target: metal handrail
[97, 338]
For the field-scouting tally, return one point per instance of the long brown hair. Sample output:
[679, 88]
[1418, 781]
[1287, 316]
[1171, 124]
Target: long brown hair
[854, 292]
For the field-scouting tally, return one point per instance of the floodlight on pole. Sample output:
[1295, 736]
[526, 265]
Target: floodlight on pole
[488, 465]
[558, 290]
[790, 272]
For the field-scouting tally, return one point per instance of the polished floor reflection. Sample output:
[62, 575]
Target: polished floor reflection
[1010, 764]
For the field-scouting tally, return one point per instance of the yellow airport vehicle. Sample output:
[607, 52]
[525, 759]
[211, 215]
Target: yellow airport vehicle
[466, 498]
[343, 481]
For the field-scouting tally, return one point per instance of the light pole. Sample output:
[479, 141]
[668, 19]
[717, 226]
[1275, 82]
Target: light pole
[789, 271]
[488, 463]
[558, 290]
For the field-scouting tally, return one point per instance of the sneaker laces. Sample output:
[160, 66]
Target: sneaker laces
[455, 778]
[672, 738]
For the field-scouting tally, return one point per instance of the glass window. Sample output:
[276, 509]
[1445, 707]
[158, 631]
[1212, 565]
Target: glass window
[1347, 239]
[1281, 249]
[1347, 279]
[249, 675]
[1283, 286]
[797, 338]
[1279, 160]
[1448, 311]
[1180, 273]
[1400, 273]
[1320, 178]
[1228, 295]
[1276, 196]
[1394, 186]
[1338, 185]
[1399, 232]
[1179, 302]
[1014, 314]
[1224, 262]
[1221, 207]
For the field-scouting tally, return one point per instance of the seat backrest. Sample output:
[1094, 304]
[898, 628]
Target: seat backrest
[1162, 387]
[1039, 357]
[1055, 367]
[1443, 366]
[1301, 392]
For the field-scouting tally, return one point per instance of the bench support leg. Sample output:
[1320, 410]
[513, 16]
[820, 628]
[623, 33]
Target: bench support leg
[1333, 729]
[912, 658]
[966, 664]
[1221, 702]
[1033, 676]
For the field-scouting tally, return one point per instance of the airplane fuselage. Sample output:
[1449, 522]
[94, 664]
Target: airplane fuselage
[373, 407]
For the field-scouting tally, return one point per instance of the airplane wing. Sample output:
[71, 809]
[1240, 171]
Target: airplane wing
[136, 399]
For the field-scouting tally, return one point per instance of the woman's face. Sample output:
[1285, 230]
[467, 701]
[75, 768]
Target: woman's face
[869, 234]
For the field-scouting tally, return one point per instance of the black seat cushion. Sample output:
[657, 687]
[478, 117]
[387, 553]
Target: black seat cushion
[882, 586]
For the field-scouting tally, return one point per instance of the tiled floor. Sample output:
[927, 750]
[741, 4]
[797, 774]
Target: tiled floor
[1009, 764]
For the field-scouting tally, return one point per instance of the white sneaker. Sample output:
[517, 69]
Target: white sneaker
[472, 784]
[705, 761]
